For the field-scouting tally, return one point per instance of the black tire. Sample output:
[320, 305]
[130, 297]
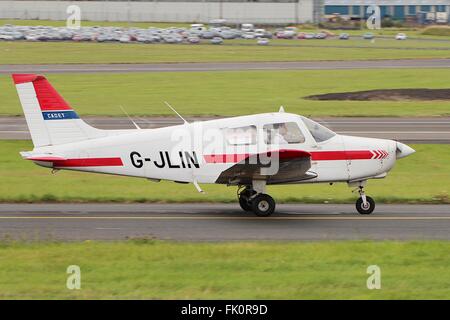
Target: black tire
[365, 210]
[243, 199]
[263, 205]
[245, 205]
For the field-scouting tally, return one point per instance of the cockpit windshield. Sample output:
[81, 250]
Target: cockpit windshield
[319, 132]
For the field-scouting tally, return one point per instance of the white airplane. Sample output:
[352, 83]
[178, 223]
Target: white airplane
[250, 152]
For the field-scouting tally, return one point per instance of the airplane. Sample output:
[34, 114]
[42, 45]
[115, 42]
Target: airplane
[250, 152]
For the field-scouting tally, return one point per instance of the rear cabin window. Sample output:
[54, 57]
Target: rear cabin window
[241, 135]
[283, 133]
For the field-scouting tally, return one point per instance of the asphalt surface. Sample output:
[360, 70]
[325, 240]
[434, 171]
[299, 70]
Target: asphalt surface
[409, 130]
[220, 222]
[226, 66]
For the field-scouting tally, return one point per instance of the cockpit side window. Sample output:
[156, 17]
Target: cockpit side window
[241, 135]
[319, 132]
[283, 133]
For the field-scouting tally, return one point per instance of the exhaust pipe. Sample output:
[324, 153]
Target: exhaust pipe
[403, 150]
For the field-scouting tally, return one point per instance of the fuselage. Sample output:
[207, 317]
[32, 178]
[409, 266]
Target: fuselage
[201, 151]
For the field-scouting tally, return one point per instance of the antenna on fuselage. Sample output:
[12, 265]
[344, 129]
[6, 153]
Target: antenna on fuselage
[171, 108]
[281, 109]
[129, 118]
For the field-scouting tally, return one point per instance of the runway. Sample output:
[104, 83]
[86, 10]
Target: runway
[220, 222]
[226, 66]
[409, 130]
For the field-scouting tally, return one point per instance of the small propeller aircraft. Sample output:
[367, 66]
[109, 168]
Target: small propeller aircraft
[249, 152]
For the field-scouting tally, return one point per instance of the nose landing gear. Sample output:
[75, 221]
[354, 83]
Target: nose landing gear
[364, 204]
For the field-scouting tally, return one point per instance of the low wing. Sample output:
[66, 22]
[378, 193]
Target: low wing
[281, 166]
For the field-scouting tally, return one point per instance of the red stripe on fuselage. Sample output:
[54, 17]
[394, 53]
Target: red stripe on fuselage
[225, 158]
[237, 157]
[315, 156]
[84, 162]
[341, 155]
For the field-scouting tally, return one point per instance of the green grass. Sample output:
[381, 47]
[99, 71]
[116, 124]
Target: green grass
[67, 52]
[357, 42]
[281, 270]
[421, 178]
[237, 93]
[442, 31]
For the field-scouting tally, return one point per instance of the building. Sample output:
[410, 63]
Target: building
[270, 12]
[395, 9]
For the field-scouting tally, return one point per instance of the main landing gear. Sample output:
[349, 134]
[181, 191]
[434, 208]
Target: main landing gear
[364, 204]
[255, 200]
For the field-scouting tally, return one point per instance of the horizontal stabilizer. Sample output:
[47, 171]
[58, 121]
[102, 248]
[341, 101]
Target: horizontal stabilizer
[47, 159]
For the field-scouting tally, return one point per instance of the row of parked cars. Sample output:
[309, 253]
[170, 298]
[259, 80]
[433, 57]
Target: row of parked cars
[370, 36]
[102, 34]
[194, 34]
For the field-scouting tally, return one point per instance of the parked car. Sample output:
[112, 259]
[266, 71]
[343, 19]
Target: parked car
[290, 32]
[279, 34]
[263, 41]
[207, 34]
[262, 33]
[248, 35]
[169, 39]
[193, 39]
[228, 34]
[320, 35]
[197, 27]
[286, 34]
[125, 38]
[368, 36]
[102, 38]
[344, 36]
[216, 40]
[400, 36]
[247, 27]
[6, 37]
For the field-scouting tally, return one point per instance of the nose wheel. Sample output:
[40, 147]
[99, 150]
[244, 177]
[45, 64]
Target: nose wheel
[364, 204]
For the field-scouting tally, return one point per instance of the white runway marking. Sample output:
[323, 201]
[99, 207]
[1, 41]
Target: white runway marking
[224, 218]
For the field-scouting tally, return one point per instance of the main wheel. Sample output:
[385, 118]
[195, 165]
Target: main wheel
[263, 205]
[245, 205]
[244, 197]
[365, 209]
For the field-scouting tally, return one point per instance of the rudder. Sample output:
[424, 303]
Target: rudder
[49, 117]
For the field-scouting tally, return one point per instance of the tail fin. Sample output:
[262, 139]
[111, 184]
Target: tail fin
[50, 119]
